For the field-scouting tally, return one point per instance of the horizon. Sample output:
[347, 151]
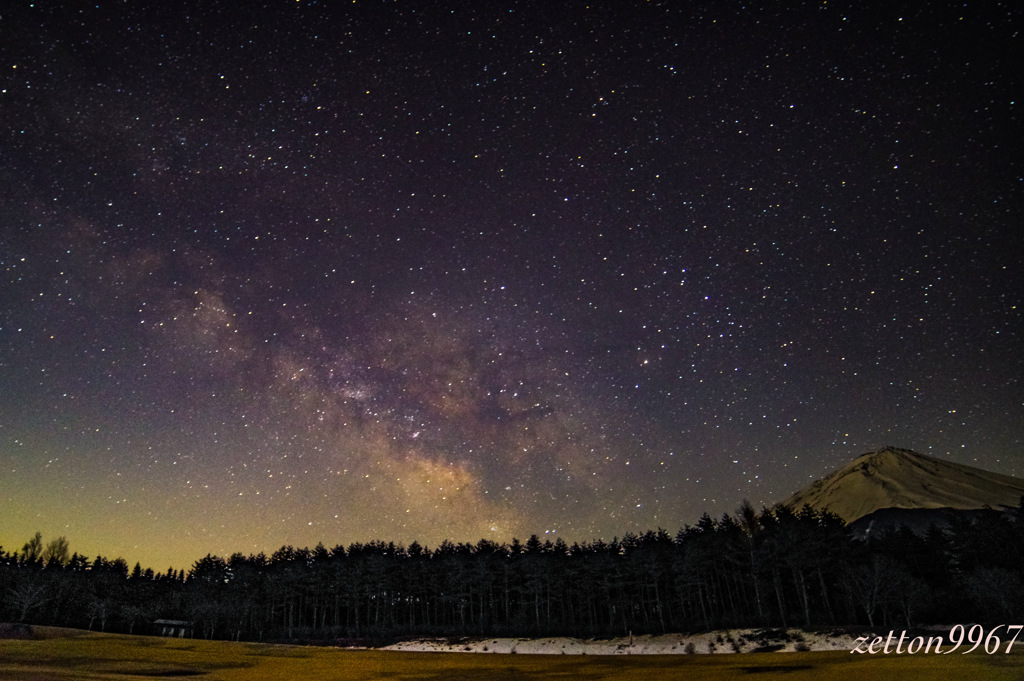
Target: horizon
[401, 546]
[551, 537]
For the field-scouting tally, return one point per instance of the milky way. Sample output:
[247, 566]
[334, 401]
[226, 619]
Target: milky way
[321, 272]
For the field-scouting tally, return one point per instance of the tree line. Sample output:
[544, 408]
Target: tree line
[773, 568]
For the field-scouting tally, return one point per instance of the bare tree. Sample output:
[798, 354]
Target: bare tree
[867, 584]
[996, 591]
[749, 521]
[27, 596]
[99, 609]
[56, 552]
[33, 549]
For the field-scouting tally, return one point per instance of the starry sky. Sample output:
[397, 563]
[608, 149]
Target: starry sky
[412, 271]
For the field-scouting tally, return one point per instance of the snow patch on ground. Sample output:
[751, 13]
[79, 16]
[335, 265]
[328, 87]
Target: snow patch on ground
[714, 642]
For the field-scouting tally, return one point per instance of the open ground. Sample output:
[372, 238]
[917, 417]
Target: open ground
[71, 655]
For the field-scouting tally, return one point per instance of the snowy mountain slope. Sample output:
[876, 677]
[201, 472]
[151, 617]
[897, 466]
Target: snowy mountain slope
[901, 478]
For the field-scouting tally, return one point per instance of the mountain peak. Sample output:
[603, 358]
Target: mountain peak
[902, 478]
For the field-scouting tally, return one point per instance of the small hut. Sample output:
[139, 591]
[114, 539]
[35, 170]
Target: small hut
[173, 628]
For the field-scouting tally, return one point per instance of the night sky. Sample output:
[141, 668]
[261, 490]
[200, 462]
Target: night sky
[337, 272]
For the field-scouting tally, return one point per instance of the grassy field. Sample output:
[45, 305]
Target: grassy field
[63, 655]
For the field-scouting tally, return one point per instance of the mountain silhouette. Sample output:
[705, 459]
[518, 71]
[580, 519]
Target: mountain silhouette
[893, 478]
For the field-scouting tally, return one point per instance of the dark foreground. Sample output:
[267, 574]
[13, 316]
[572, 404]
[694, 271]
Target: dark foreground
[71, 655]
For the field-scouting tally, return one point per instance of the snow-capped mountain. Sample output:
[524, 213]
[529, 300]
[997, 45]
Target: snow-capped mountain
[903, 479]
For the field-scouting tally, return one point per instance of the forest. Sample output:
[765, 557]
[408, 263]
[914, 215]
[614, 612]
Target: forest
[773, 568]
